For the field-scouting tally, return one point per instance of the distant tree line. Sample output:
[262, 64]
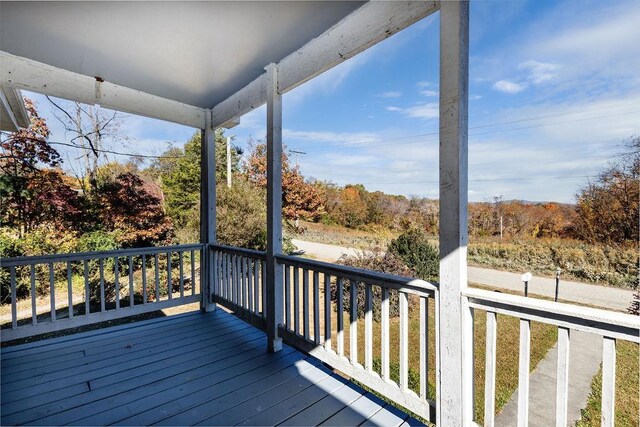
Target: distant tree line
[160, 203]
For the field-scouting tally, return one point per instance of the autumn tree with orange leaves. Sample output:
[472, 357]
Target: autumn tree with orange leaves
[300, 199]
[608, 207]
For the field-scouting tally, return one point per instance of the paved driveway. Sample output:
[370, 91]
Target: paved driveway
[584, 293]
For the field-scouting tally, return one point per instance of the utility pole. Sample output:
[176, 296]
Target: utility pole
[297, 154]
[229, 161]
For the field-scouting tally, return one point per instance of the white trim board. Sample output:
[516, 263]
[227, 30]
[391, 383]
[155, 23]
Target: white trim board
[26, 74]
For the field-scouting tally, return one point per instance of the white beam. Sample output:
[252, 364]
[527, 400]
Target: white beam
[8, 120]
[455, 354]
[361, 29]
[26, 74]
[274, 276]
[14, 111]
[254, 95]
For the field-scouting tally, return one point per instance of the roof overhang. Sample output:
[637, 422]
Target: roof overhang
[177, 60]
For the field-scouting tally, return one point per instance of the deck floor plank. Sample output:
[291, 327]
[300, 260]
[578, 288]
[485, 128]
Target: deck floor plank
[388, 416]
[215, 400]
[182, 406]
[86, 356]
[189, 369]
[61, 345]
[296, 403]
[357, 412]
[106, 369]
[326, 407]
[44, 404]
[124, 392]
[308, 376]
[132, 408]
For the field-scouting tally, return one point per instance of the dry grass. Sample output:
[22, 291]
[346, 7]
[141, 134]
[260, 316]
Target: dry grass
[627, 390]
[608, 265]
[342, 236]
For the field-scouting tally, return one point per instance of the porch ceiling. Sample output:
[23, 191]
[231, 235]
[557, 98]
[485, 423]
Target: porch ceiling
[197, 53]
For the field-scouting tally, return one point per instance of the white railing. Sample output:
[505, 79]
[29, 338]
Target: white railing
[316, 296]
[320, 319]
[239, 282]
[92, 286]
[611, 326]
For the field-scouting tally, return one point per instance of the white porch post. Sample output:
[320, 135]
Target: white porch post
[207, 211]
[455, 321]
[274, 284]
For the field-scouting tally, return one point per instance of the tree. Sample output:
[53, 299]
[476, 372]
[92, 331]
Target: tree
[242, 215]
[608, 208]
[351, 209]
[31, 195]
[128, 205]
[300, 199]
[92, 127]
[178, 173]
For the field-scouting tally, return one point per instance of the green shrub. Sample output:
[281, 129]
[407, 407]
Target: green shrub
[373, 260]
[10, 244]
[418, 254]
[98, 241]
[44, 240]
[242, 215]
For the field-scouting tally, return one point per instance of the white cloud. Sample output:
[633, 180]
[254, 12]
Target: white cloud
[507, 86]
[424, 83]
[429, 93]
[593, 53]
[613, 31]
[330, 137]
[391, 94]
[539, 72]
[474, 97]
[427, 110]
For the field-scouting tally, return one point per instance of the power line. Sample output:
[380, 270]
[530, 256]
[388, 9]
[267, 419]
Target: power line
[567, 177]
[149, 156]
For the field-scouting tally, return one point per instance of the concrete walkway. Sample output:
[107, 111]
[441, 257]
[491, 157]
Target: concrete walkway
[583, 293]
[585, 356]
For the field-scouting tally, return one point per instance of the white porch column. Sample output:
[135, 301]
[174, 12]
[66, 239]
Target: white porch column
[207, 211]
[274, 277]
[455, 322]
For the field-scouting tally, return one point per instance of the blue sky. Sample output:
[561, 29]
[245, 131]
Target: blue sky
[554, 90]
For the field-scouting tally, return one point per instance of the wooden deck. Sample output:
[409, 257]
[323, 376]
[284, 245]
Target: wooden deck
[195, 368]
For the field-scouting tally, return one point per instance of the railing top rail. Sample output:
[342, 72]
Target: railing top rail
[359, 274]
[252, 253]
[81, 256]
[608, 322]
